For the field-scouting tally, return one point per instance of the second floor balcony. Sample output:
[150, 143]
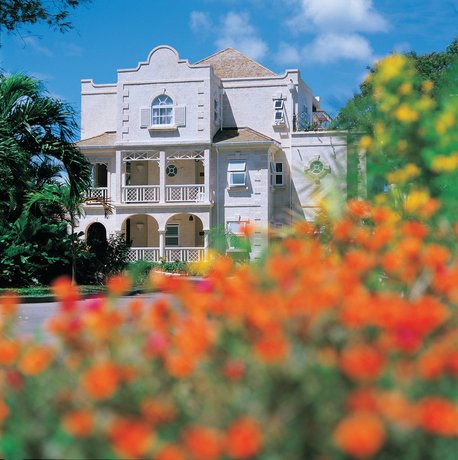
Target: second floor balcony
[154, 177]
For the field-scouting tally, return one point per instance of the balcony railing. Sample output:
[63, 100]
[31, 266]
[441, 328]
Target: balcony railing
[148, 254]
[98, 193]
[184, 254]
[140, 194]
[171, 255]
[189, 193]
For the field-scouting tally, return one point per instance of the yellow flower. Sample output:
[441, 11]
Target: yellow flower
[415, 200]
[365, 142]
[412, 170]
[427, 86]
[391, 67]
[446, 120]
[443, 163]
[405, 88]
[405, 114]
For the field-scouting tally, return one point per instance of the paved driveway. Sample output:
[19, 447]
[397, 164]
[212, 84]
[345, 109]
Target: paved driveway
[33, 316]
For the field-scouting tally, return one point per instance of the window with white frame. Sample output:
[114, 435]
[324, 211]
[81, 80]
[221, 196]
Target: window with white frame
[236, 173]
[279, 117]
[277, 173]
[172, 235]
[162, 110]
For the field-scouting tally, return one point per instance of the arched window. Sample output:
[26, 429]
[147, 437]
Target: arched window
[162, 113]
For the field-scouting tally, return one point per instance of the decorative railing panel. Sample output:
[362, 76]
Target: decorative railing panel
[184, 254]
[98, 193]
[186, 193]
[148, 254]
[140, 194]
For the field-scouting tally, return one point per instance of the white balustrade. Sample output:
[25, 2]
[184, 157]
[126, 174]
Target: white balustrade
[99, 193]
[148, 254]
[187, 193]
[140, 194]
[184, 254]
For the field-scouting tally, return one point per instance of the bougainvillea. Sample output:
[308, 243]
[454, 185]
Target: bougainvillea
[343, 344]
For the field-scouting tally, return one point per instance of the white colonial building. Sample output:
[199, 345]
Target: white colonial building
[181, 148]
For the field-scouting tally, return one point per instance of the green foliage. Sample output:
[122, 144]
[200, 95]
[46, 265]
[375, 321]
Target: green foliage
[357, 115]
[101, 259]
[17, 13]
[36, 146]
[33, 251]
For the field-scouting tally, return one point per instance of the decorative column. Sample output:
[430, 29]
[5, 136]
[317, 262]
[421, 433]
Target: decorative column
[161, 244]
[207, 174]
[116, 186]
[162, 166]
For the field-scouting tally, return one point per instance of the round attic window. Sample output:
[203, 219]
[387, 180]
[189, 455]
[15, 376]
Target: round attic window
[171, 170]
[316, 167]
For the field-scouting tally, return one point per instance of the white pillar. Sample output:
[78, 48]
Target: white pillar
[161, 243]
[162, 166]
[116, 183]
[207, 174]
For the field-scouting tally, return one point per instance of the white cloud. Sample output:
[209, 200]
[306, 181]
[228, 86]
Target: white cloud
[236, 31]
[328, 48]
[325, 49]
[37, 46]
[340, 16]
[200, 21]
[71, 49]
[287, 54]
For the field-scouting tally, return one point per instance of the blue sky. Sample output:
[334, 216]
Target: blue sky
[331, 41]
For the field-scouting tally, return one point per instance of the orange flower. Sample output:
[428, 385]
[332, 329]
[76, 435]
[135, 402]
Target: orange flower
[101, 380]
[4, 411]
[432, 364]
[271, 348]
[179, 365]
[435, 256]
[36, 359]
[362, 362]
[360, 434]
[66, 292]
[394, 407]
[130, 438]
[156, 411]
[9, 351]
[78, 423]
[359, 209]
[243, 439]
[118, 284]
[8, 304]
[364, 399]
[438, 416]
[203, 443]
[170, 452]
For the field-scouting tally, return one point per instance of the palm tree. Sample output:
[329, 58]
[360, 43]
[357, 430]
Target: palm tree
[57, 202]
[34, 128]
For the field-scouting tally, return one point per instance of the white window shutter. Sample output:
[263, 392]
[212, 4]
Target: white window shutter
[180, 115]
[145, 117]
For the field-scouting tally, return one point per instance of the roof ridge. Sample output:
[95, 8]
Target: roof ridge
[215, 61]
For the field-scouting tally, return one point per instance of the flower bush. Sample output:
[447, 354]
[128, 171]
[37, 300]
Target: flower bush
[342, 345]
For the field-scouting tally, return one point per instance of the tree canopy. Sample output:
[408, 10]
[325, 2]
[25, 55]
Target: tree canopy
[357, 113]
[16, 13]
